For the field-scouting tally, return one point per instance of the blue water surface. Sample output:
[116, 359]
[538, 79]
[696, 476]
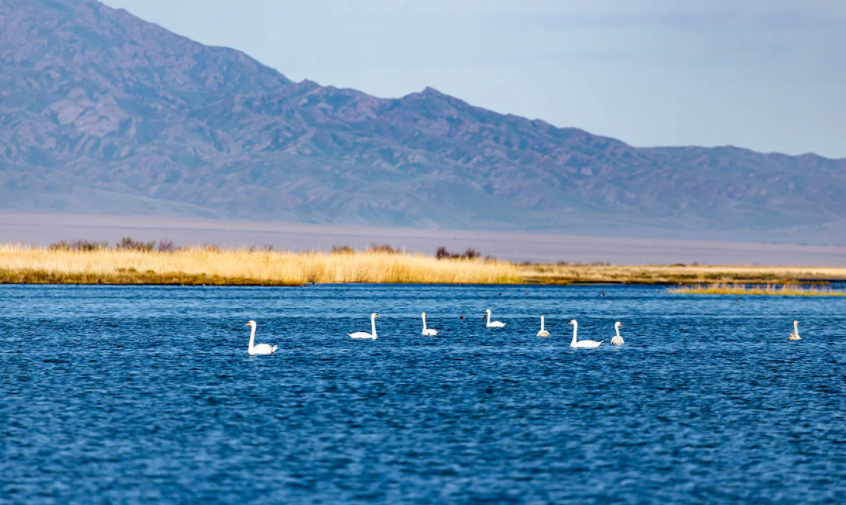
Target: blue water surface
[147, 395]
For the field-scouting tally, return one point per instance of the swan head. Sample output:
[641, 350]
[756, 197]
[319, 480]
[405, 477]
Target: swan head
[572, 321]
[618, 324]
[374, 315]
[424, 314]
[795, 323]
[487, 311]
[251, 323]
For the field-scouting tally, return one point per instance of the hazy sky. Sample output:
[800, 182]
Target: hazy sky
[765, 74]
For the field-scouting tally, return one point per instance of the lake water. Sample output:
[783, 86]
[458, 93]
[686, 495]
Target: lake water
[147, 395]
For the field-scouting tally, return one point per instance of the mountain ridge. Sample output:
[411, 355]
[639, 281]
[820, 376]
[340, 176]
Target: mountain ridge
[94, 101]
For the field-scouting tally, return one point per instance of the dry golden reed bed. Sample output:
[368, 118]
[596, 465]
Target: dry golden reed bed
[195, 266]
[770, 289]
[32, 265]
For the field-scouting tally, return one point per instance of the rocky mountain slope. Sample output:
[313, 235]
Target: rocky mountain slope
[101, 112]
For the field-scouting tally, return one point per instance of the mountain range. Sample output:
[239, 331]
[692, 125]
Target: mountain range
[102, 112]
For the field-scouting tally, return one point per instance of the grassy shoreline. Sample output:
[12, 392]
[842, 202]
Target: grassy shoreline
[759, 290]
[678, 274]
[212, 266]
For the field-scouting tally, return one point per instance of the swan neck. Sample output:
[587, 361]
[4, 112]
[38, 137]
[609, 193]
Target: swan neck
[489, 318]
[541, 323]
[796, 327]
[252, 337]
[373, 325]
[617, 330]
[424, 322]
[575, 331]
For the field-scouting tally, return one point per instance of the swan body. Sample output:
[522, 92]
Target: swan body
[363, 334]
[542, 332]
[493, 324]
[795, 334]
[584, 344]
[257, 349]
[428, 331]
[617, 340]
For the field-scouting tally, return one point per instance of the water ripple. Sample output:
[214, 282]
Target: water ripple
[146, 395]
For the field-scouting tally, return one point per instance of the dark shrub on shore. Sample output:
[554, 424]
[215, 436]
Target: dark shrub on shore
[127, 244]
[78, 245]
[342, 249]
[383, 248]
[470, 254]
[165, 246]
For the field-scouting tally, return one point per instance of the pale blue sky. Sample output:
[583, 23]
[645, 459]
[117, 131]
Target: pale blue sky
[764, 74]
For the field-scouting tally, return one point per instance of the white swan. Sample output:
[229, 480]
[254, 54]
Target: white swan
[252, 350]
[364, 334]
[584, 344]
[795, 334]
[493, 324]
[428, 331]
[617, 340]
[542, 332]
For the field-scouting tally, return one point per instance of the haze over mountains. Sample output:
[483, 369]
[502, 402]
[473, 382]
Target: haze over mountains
[101, 112]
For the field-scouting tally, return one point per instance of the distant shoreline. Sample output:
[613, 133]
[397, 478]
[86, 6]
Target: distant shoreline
[575, 245]
[211, 266]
